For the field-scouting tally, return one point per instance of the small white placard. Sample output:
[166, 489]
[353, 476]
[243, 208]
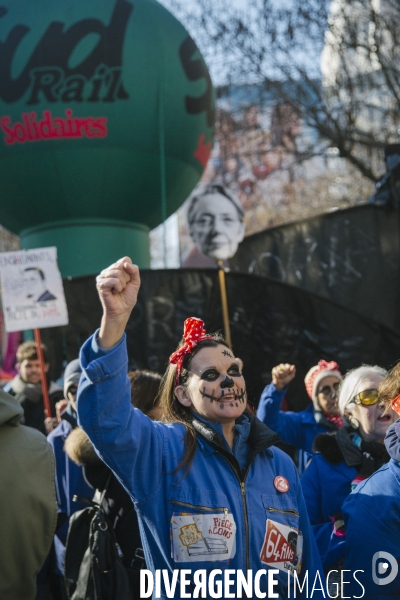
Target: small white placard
[283, 547]
[200, 537]
[32, 290]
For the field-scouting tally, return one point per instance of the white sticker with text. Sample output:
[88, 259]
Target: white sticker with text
[200, 537]
[283, 547]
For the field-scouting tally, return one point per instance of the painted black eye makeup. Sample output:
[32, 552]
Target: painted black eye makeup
[210, 375]
[234, 371]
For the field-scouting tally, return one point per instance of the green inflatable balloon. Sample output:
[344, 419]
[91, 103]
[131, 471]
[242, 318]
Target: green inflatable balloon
[106, 122]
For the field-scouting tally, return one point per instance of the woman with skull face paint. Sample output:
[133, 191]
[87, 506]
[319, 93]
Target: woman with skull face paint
[211, 491]
[345, 458]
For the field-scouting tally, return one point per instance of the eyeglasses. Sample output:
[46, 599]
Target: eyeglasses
[366, 398]
[327, 389]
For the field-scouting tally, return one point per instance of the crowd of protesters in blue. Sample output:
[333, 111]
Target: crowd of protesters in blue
[203, 454]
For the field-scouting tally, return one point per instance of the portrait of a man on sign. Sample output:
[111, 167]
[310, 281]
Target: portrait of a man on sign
[35, 285]
[215, 220]
[32, 289]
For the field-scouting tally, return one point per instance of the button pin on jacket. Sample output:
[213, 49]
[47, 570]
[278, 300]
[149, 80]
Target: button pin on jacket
[281, 483]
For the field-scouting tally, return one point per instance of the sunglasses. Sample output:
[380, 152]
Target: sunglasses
[73, 389]
[327, 389]
[366, 398]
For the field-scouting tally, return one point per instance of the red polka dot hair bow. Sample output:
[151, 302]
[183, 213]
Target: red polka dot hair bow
[193, 333]
[330, 366]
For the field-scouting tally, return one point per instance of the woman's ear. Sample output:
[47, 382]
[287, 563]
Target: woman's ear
[182, 395]
[355, 423]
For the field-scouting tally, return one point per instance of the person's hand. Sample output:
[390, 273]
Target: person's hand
[282, 375]
[61, 405]
[118, 288]
[50, 423]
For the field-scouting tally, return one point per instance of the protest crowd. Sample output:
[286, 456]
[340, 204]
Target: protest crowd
[177, 475]
[133, 466]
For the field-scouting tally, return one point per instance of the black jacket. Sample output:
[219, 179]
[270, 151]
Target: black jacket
[117, 503]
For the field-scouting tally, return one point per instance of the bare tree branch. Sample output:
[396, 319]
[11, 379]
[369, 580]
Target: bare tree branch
[336, 63]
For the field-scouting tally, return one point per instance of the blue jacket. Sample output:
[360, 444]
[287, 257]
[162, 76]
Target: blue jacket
[296, 428]
[372, 518]
[69, 481]
[328, 481]
[325, 487]
[188, 522]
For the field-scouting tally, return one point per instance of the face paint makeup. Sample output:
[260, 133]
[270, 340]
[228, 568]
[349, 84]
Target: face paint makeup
[242, 395]
[215, 386]
[227, 383]
[234, 371]
[226, 353]
[210, 375]
[209, 396]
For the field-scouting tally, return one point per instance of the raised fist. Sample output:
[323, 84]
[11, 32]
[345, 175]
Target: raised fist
[118, 287]
[282, 375]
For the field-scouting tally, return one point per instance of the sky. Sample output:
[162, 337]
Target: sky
[222, 65]
[214, 60]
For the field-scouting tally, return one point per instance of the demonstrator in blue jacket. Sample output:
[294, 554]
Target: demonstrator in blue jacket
[372, 515]
[69, 476]
[345, 458]
[301, 428]
[212, 493]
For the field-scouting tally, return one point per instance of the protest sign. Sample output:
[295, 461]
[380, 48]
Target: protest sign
[32, 290]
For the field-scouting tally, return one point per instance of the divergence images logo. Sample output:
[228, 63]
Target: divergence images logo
[380, 568]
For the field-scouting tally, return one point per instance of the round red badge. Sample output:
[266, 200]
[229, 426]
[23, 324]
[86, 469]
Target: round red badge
[281, 484]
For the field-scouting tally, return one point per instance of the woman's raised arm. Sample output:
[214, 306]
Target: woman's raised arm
[118, 288]
[126, 440]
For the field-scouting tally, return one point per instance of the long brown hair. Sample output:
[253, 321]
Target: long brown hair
[145, 389]
[173, 410]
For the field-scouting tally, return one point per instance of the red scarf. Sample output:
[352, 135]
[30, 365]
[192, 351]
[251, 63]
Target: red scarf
[335, 420]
